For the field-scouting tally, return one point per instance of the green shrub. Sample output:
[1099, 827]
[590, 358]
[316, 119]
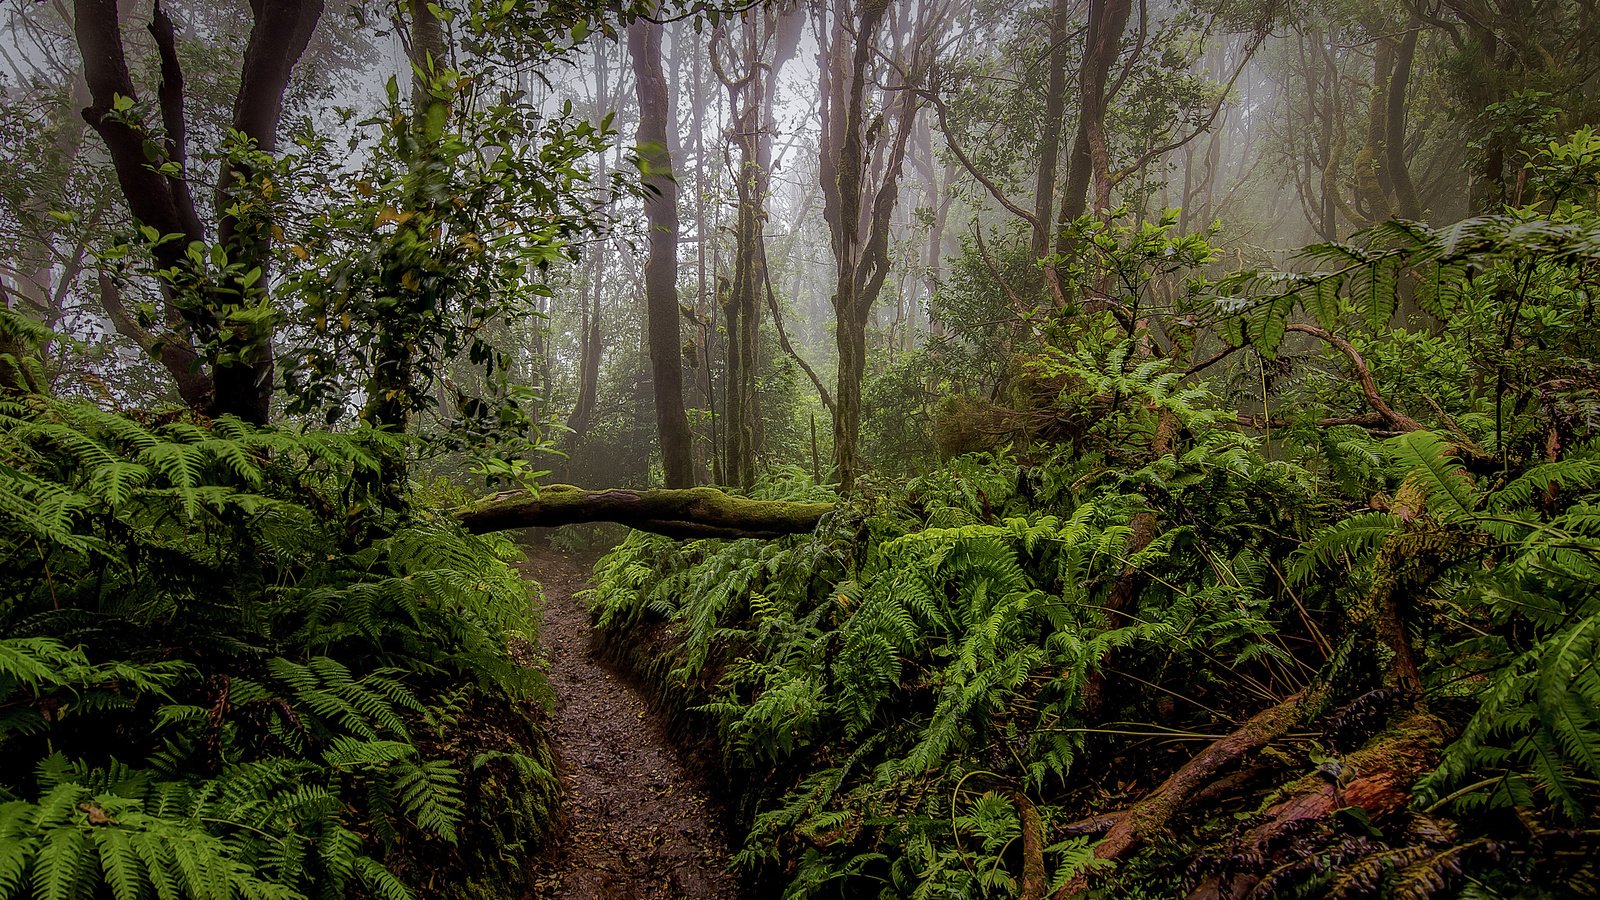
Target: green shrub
[226, 670]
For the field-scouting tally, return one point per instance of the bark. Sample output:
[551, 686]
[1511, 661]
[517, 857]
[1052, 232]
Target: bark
[690, 513]
[169, 349]
[741, 72]
[1050, 144]
[590, 344]
[703, 307]
[860, 165]
[661, 267]
[1405, 192]
[1373, 186]
[1035, 878]
[1363, 373]
[1150, 815]
[1090, 160]
[278, 36]
[1384, 771]
[590, 349]
[280, 30]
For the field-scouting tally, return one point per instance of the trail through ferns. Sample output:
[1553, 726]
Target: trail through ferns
[639, 821]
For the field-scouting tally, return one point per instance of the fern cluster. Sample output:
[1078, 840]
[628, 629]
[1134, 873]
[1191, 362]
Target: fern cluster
[928, 651]
[227, 670]
[1009, 648]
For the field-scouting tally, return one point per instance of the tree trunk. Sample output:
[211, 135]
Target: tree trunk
[692, 513]
[741, 73]
[590, 346]
[226, 320]
[661, 268]
[860, 185]
[1373, 185]
[1055, 103]
[1405, 192]
[1090, 160]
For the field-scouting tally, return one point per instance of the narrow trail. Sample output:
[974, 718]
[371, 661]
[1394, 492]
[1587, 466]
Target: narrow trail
[639, 822]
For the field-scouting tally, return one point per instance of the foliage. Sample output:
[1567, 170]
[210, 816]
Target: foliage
[1051, 629]
[440, 188]
[927, 648]
[226, 672]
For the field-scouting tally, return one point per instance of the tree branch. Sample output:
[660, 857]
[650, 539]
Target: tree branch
[172, 350]
[169, 95]
[1151, 814]
[933, 98]
[1358, 363]
[783, 336]
[105, 67]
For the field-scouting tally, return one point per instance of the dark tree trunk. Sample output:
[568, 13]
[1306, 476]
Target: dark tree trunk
[241, 346]
[1405, 192]
[1090, 162]
[661, 268]
[1055, 103]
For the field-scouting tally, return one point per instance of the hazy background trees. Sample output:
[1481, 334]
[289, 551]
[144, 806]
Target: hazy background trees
[844, 218]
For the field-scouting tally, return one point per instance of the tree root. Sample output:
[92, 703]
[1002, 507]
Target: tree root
[1376, 779]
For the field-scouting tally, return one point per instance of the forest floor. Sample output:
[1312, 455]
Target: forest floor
[639, 822]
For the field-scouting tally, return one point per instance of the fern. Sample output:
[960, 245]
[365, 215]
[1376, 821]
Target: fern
[201, 590]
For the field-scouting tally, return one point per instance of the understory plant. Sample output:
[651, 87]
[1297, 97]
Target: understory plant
[1337, 642]
[227, 670]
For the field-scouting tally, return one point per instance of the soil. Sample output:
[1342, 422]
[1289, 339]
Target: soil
[639, 821]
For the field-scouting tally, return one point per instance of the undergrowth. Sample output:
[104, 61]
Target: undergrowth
[226, 670]
[1172, 649]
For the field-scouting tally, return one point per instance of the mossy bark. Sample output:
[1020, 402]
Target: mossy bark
[688, 513]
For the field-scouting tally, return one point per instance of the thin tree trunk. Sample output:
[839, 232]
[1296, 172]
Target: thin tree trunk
[1405, 192]
[1090, 160]
[590, 347]
[661, 268]
[1055, 103]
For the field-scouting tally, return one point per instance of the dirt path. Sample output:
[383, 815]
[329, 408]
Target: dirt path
[639, 823]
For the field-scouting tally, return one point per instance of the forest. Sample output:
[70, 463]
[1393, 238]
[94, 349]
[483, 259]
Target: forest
[799, 448]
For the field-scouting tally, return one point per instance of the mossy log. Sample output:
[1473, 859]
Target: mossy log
[686, 513]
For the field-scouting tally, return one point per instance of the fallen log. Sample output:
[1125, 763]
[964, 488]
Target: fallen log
[682, 513]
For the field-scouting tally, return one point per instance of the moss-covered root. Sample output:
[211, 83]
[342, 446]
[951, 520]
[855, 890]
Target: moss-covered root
[1034, 880]
[1376, 779]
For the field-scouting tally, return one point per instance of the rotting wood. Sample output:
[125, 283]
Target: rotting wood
[682, 513]
[1151, 814]
[1034, 877]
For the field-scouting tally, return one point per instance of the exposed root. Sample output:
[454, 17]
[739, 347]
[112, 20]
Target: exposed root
[1376, 779]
